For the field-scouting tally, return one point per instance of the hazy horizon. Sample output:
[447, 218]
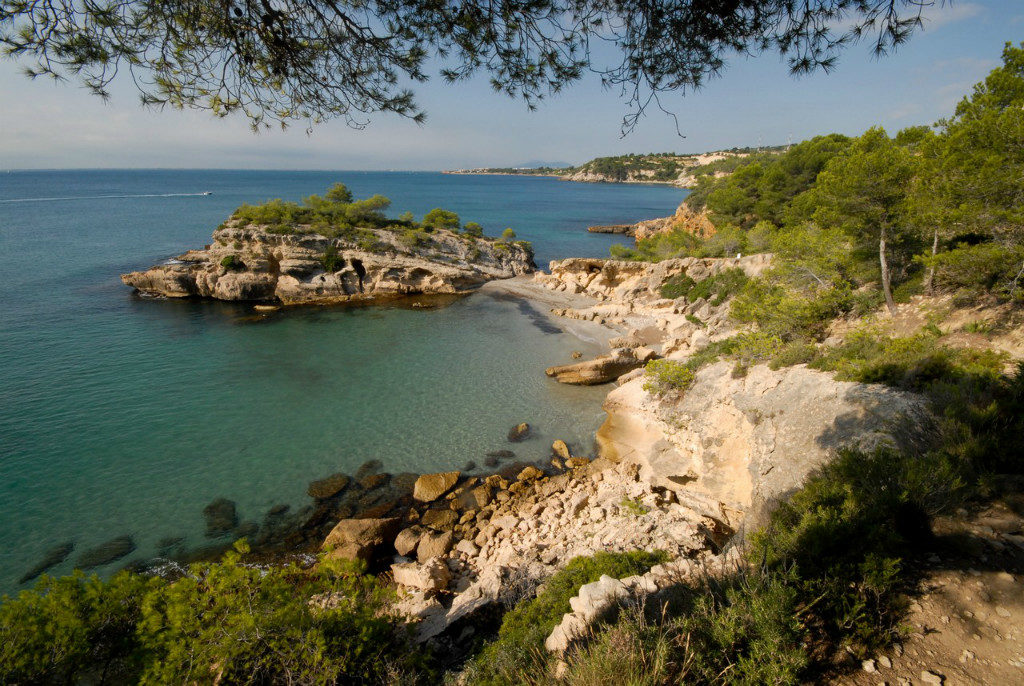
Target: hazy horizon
[755, 103]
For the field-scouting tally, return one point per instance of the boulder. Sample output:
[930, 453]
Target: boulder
[374, 481]
[408, 539]
[434, 544]
[418, 606]
[601, 369]
[327, 487]
[474, 498]
[430, 487]
[432, 575]
[560, 450]
[442, 520]
[221, 517]
[359, 538]
[529, 474]
[519, 432]
[106, 553]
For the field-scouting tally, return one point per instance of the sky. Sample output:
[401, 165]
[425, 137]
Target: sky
[756, 101]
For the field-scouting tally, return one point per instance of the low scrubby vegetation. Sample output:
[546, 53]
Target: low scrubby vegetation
[517, 655]
[224, 622]
[337, 215]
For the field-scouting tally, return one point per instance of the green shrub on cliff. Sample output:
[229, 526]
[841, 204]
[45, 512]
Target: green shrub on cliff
[331, 260]
[232, 262]
[665, 376]
[518, 655]
[337, 215]
[228, 622]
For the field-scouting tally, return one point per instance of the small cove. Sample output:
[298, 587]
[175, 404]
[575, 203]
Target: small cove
[122, 415]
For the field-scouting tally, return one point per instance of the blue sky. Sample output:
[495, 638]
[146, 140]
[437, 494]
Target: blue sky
[46, 125]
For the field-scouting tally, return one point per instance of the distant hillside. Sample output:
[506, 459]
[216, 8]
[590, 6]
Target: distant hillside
[665, 167]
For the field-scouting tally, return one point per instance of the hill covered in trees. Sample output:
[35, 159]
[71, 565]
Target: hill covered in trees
[656, 167]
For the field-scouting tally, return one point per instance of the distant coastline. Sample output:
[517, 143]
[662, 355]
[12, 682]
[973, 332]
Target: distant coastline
[663, 169]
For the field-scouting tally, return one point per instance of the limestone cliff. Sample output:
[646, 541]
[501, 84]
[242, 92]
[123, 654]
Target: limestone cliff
[254, 264]
[744, 443]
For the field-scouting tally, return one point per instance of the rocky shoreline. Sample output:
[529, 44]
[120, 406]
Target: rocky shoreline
[684, 475]
[253, 263]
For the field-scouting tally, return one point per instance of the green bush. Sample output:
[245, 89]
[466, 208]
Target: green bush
[74, 629]
[986, 267]
[414, 238]
[517, 655]
[677, 286]
[715, 289]
[331, 260]
[665, 376]
[440, 219]
[508, 235]
[473, 229]
[227, 622]
[912, 362]
[232, 262]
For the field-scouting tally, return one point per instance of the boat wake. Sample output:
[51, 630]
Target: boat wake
[103, 197]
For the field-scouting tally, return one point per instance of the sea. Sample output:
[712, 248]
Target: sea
[124, 415]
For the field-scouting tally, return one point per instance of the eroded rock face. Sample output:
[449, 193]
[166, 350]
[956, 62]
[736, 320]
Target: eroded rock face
[746, 442]
[289, 268]
[601, 369]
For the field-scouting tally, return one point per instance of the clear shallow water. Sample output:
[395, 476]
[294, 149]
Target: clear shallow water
[125, 415]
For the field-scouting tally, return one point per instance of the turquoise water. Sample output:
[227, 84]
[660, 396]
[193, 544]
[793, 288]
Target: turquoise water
[125, 415]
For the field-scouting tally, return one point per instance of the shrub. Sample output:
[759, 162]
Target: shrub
[232, 262]
[508, 235]
[634, 507]
[793, 353]
[72, 629]
[331, 260]
[473, 229]
[665, 376]
[413, 238]
[518, 652]
[440, 219]
[987, 267]
[224, 622]
[677, 286]
[716, 289]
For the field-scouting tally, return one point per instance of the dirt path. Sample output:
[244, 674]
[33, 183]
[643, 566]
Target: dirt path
[966, 621]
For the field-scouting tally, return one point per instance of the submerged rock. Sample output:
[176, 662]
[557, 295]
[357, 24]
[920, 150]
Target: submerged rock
[328, 487]
[519, 432]
[105, 553]
[53, 557]
[221, 517]
[368, 468]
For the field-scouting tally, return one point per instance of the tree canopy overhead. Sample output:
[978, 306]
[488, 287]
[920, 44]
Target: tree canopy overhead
[278, 61]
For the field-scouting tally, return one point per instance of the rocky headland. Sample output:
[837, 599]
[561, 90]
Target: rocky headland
[254, 263]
